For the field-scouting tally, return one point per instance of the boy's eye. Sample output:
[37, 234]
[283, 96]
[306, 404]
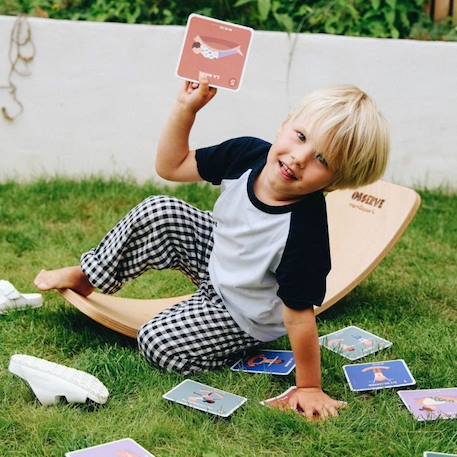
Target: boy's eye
[322, 160]
[301, 137]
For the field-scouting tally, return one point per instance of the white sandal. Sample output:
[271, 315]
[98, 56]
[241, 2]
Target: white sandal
[11, 298]
[51, 381]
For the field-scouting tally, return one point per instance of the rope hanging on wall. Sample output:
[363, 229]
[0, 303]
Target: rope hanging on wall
[21, 54]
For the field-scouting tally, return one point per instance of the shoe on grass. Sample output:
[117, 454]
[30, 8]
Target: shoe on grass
[50, 381]
[11, 298]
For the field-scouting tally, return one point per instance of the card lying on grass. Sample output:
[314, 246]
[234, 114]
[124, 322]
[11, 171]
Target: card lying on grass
[266, 361]
[205, 398]
[431, 404]
[438, 454]
[121, 448]
[217, 49]
[378, 375]
[353, 343]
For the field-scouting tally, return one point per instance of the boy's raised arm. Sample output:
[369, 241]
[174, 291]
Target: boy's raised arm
[309, 396]
[175, 161]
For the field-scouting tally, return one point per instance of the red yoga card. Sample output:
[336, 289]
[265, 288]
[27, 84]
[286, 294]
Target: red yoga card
[217, 49]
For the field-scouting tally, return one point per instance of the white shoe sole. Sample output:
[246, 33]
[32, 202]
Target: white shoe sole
[51, 381]
[24, 301]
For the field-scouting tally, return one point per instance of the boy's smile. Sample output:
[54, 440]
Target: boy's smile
[295, 166]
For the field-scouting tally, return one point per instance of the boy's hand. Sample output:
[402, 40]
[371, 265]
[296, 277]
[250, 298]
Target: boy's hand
[194, 96]
[313, 403]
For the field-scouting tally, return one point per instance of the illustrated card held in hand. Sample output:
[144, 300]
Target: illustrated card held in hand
[431, 404]
[353, 342]
[121, 448]
[217, 49]
[205, 398]
[267, 361]
[378, 375]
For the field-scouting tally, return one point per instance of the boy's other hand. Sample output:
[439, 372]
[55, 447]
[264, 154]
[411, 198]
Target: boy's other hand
[314, 403]
[194, 96]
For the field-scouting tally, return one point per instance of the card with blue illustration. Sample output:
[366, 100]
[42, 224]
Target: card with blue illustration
[438, 454]
[431, 404]
[205, 398]
[267, 362]
[353, 343]
[120, 448]
[378, 375]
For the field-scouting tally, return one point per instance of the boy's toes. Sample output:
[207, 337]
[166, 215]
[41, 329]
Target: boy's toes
[42, 285]
[40, 281]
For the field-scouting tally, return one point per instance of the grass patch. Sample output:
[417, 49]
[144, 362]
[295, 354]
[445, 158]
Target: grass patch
[410, 299]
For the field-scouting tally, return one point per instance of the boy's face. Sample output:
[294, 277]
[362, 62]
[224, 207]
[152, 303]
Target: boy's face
[294, 167]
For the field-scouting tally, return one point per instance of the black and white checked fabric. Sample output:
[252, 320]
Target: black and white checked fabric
[163, 232]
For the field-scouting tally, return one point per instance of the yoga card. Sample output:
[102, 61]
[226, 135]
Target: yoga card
[353, 343]
[267, 362]
[205, 398]
[217, 49]
[438, 454]
[431, 404]
[378, 375]
[121, 448]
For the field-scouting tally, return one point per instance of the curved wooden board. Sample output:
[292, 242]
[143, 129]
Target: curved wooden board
[364, 226]
[123, 315]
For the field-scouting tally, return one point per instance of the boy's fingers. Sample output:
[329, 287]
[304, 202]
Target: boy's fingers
[308, 412]
[204, 87]
[293, 403]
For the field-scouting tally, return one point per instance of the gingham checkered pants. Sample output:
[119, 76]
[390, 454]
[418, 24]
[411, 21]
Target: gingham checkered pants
[163, 232]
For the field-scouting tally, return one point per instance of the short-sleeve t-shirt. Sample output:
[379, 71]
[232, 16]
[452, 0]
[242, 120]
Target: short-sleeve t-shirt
[263, 256]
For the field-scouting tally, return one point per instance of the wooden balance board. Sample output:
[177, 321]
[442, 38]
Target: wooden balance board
[364, 226]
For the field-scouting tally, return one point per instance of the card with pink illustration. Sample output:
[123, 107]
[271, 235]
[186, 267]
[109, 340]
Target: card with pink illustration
[378, 375]
[353, 343]
[267, 362]
[120, 448]
[431, 404]
[217, 49]
[205, 398]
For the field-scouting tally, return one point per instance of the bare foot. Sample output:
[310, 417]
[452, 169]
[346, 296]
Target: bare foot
[64, 278]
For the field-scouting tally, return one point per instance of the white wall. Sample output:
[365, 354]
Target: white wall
[100, 93]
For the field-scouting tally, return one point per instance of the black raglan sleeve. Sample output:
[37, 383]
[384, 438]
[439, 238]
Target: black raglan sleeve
[305, 263]
[230, 159]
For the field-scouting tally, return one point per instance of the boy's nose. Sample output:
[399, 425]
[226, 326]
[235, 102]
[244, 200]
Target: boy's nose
[302, 157]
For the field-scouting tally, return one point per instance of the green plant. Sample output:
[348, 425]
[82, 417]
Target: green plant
[10, 7]
[374, 18]
[426, 29]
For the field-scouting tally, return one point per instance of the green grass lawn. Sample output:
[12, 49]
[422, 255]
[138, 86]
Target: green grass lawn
[410, 300]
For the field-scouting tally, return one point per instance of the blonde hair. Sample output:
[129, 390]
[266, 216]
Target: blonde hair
[351, 134]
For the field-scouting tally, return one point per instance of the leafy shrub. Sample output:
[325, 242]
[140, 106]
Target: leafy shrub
[374, 18]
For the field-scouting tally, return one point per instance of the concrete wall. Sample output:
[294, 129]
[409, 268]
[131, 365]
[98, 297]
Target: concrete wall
[99, 94]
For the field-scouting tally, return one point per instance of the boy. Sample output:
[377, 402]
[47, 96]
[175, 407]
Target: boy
[261, 259]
